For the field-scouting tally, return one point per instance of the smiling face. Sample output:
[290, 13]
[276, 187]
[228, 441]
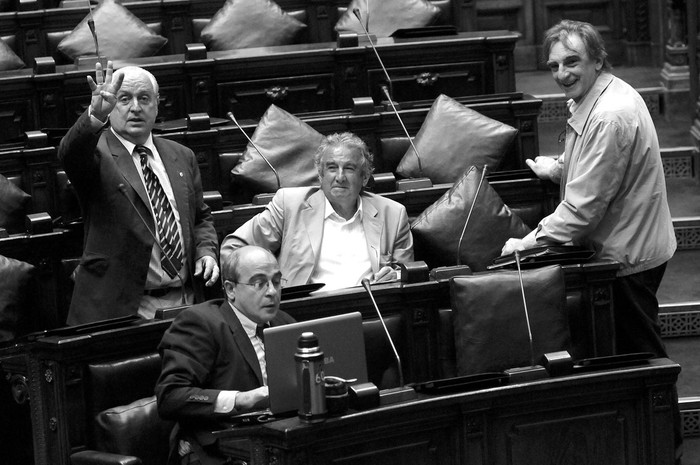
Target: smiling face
[137, 107]
[342, 176]
[572, 68]
[256, 287]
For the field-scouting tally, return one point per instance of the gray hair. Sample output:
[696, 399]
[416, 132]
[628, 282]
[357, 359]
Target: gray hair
[591, 38]
[349, 140]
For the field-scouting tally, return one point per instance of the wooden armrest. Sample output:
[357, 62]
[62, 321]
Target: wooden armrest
[95, 457]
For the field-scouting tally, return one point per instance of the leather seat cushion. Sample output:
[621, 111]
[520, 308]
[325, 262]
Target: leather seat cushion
[135, 429]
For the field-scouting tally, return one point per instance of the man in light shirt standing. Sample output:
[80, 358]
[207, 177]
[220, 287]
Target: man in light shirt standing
[336, 234]
[213, 355]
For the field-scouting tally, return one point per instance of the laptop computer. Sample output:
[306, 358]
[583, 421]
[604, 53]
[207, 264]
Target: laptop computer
[340, 338]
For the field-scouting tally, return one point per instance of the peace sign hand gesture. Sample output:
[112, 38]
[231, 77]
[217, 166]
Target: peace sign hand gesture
[104, 91]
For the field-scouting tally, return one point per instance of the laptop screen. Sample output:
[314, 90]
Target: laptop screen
[341, 340]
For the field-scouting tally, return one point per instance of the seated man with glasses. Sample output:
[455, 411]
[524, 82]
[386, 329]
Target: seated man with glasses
[213, 355]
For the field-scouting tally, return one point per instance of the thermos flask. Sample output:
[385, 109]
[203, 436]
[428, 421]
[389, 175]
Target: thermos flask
[309, 364]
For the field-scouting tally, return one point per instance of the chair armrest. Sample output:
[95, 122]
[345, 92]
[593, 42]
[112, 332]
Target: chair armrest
[94, 457]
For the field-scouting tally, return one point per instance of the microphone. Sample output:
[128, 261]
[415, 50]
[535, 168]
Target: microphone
[91, 25]
[277, 176]
[171, 265]
[469, 215]
[356, 12]
[415, 150]
[403, 392]
[533, 371]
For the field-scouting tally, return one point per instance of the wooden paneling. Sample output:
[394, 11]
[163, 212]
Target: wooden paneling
[299, 78]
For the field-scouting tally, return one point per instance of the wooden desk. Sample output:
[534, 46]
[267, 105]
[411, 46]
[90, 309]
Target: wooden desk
[52, 371]
[613, 417]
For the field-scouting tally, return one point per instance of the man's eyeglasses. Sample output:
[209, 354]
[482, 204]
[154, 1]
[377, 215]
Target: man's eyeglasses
[260, 284]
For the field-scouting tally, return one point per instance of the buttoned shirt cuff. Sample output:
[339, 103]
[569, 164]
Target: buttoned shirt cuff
[226, 402]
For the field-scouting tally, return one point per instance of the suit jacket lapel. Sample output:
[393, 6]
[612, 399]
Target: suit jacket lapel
[241, 339]
[373, 230]
[312, 216]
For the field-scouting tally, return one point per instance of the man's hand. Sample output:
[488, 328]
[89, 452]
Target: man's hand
[104, 91]
[384, 275]
[542, 167]
[512, 245]
[208, 269]
[254, 399]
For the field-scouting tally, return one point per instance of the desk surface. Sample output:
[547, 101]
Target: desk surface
[609, 416]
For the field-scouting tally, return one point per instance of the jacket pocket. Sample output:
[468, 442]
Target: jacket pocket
[96, 264]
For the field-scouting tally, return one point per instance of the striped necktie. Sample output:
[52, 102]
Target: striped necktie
[165, 218]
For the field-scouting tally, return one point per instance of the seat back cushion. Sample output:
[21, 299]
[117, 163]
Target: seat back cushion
[8, 58]
[490, 326]
[135, 429]
[120, 35]
[468, 225]
[15, 276]
[119, 382]
[289, 144]
[452, 138]
[250, 23]
[14, 204]
[386, 16]
[381, 361]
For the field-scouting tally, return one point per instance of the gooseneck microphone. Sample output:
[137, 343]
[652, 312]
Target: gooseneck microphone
[356, 12]
[403, 126]
[171, 265]
[527, 313]
[91, 25]
[469, 215]
[277, 176]
[366, 285]
[415, 183]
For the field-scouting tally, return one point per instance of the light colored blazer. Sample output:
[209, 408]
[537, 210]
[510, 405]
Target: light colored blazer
[291, 226]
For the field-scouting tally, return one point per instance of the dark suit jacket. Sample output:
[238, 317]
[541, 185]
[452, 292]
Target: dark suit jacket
[110, 279]
[205, 351]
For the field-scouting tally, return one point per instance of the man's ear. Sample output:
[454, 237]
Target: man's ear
[230, 290]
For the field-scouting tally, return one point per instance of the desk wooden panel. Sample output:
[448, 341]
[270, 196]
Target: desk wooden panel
[53, 369]
[299, 78]
[613, 417]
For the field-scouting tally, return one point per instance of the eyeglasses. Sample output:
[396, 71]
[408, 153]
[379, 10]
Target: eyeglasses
[260, 284]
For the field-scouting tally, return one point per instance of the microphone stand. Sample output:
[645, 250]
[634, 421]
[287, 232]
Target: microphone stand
[401, 184]
[183, 295]
[91, 60]
[259, 199]
[402, 392]
[532, 372]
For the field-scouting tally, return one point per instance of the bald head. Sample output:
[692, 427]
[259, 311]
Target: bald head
[253, 282]
[136, 110]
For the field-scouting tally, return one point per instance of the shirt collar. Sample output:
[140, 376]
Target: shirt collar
[248, 325]
[581, 110]
[330, 211]
[130, 145]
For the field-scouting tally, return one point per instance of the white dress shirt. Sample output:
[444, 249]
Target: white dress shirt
[343, 259]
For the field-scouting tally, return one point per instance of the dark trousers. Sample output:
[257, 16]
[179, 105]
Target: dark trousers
[637, 311]
[637, 325]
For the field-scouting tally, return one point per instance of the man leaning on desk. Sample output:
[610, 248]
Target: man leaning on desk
[337, 234]
[213, 358]
[133, 188]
